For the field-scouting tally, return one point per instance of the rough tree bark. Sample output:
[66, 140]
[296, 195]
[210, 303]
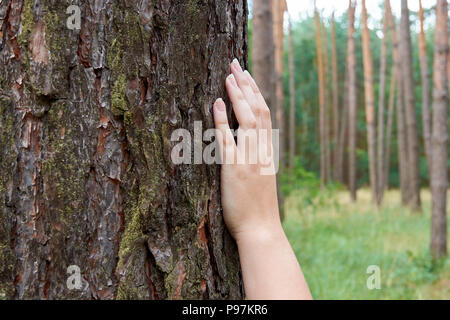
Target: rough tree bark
[439, 143]
[86, 177]
[410, 109]
[352, 97]
[370, 103]
[425, 74]
[292, 114]
[401, 130]
[381, 110]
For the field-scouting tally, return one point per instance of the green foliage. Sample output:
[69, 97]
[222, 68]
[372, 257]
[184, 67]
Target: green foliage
[298, 178]
[421, 268]
[338, 240]
[306, 186]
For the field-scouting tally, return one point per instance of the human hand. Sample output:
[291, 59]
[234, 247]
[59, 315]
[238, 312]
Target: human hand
[248, 186]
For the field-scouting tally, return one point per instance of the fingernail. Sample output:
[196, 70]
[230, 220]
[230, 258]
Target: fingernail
[219, 105]
[237, 65]
[232, 80]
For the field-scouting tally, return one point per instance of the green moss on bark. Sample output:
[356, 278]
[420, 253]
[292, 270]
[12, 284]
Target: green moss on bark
[27, 23]
[8, 156]
[61, 169]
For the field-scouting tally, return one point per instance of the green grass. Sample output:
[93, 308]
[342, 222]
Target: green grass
[336, 240]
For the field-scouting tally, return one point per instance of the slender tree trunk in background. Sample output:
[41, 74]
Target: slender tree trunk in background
[86, 177]
[426, 118]
[381, 111]
[328, 108]
[402, 144]
[278, 9]
[292, 114]
[401, 131]
[263, 59]
[343, 131]
[410, 109]
[327, 118]
[304, 128]
[439, 143]
[320, 68]
[337, 170]
[370, 102]
[390, 120]
[448, 75]
[352, 97]
[263, 50]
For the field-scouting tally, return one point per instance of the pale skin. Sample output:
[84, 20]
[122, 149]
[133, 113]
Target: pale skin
[269, 266]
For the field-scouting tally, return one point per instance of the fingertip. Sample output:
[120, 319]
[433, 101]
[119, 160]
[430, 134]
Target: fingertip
[219, 105]
[232, 81]
[236, 65]
[249, 76]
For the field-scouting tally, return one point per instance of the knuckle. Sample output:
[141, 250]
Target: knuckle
[266, 113]
[257, 111]
[221, 123]
[221, 120]
[240, 96]
[244, 82]
[252, 123]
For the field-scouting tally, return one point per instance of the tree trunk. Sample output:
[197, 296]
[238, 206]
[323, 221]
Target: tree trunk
[292, 114]
[401, 134]
[370, 102]
[278, 9]
[320, 68]
[343, 132]
[264, 71]
[86, 176]
[390, 120]
[381, 111]
[327, 103]
[352, 98]
[439, 179]
[448, 74]
[410, 109]
[426, 118]
[263, 50]
[402, 144]
[337, 170]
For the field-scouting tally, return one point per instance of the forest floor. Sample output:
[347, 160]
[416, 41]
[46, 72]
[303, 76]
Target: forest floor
[336, 241]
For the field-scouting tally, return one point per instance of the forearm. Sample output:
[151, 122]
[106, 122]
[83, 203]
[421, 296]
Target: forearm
[269, 266]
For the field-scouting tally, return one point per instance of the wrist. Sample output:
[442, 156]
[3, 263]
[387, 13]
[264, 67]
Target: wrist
[268, 233]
